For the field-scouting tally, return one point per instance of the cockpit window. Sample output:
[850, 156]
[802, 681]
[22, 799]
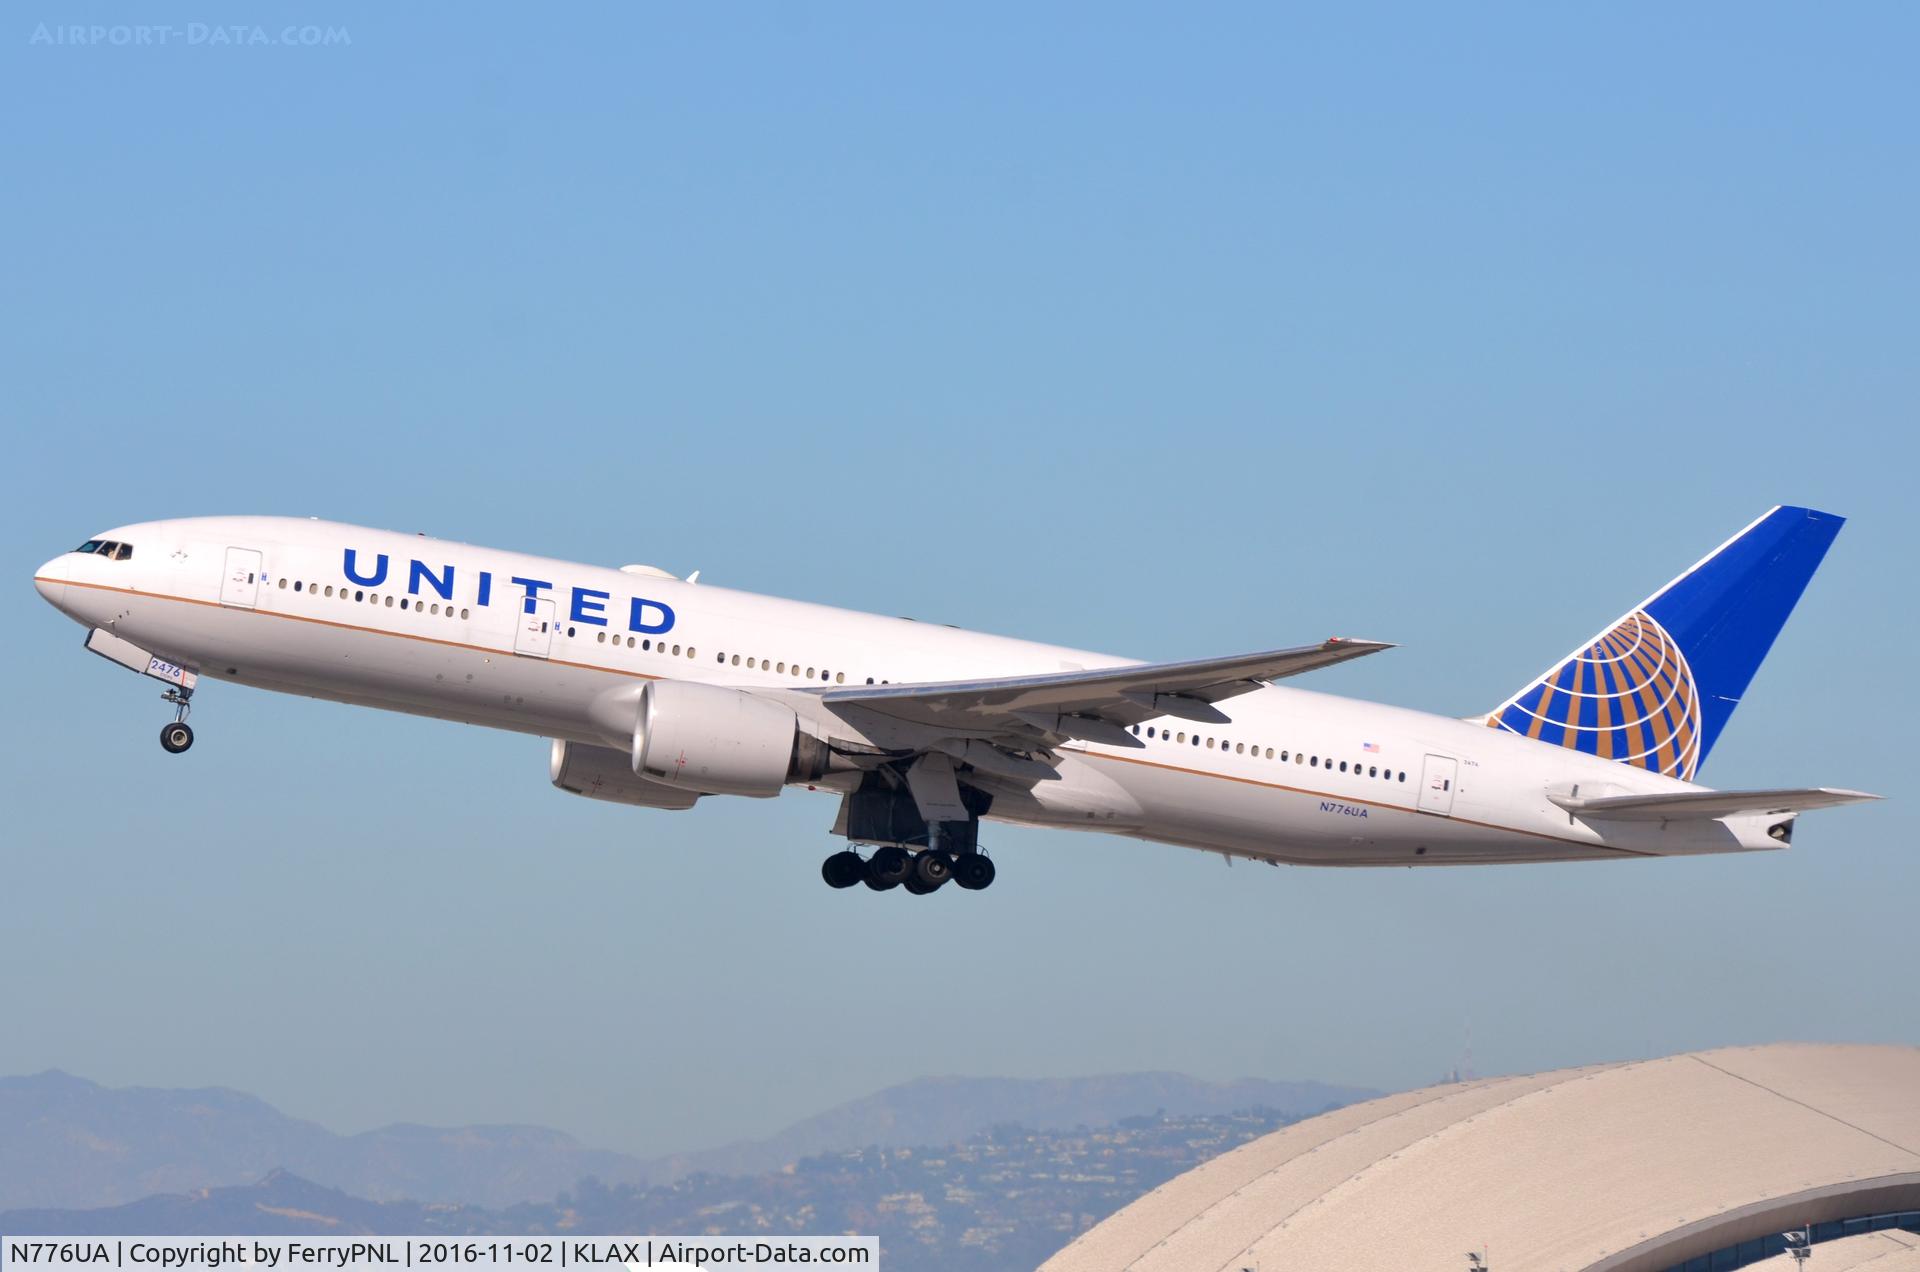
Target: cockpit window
[107, 548]
[91, 545]
[122, 551]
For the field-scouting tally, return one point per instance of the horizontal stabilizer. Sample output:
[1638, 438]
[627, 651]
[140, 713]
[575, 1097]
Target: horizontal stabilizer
[1707, 805]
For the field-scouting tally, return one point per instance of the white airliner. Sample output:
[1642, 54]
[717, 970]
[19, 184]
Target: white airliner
[658, 690]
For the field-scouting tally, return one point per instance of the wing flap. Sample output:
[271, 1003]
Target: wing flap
[1708, 805]
[1122, 695]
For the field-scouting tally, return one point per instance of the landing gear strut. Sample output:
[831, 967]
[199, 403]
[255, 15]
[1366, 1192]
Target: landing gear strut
[178, 736]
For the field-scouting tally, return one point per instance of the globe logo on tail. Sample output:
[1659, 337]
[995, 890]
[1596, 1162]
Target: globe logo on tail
[1628, 697]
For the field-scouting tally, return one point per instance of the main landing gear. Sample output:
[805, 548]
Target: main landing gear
[178, 736]
[919, 873]
[913, 851]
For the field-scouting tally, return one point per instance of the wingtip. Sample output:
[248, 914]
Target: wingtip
[1364, 646]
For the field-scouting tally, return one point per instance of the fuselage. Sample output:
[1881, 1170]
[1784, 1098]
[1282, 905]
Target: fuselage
[554, 648]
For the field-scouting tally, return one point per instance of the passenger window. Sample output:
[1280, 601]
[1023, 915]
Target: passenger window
[1196, 739]
[1314, 762]
[1240, 748]
[1283, 754]
[1343, 766]
[329, 589]
[1403, 775]
[809, 673]
[463, 614]
[1182, 738]
[782, 667]
[691, 651]
[403, 602]
[297, 585]
[389, 602]
[839, 677]
[358, 595]
[1372, 772]
[283, 584]
[736, 660]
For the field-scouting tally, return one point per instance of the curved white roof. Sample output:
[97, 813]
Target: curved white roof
[1626, 1167]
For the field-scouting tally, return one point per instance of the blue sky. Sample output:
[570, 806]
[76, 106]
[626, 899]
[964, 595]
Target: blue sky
[1166, 333]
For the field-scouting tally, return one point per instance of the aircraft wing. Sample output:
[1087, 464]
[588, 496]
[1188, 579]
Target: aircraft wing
[1094, 705]
[1708, 805]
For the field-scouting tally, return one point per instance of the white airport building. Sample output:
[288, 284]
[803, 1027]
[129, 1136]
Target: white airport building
[1699, 1162]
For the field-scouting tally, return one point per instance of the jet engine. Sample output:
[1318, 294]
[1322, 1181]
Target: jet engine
[719, 741]
[600, 772]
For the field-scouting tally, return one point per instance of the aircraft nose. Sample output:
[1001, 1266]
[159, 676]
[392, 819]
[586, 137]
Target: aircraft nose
[50, 580]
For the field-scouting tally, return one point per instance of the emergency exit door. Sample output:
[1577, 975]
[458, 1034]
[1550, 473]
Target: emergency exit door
[240, 587]
[534, 636]
[1437, 780]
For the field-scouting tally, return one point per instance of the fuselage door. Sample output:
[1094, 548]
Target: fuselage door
[534, 634]
[240, 586]
[1437, 780]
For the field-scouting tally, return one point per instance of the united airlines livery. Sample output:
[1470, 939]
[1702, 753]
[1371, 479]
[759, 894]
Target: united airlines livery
[657, 691]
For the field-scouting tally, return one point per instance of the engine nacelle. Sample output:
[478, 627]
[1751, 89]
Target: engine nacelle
[719, 741]
[600, 772]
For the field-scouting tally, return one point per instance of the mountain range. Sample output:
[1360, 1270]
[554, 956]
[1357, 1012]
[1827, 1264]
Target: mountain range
[69, 1143]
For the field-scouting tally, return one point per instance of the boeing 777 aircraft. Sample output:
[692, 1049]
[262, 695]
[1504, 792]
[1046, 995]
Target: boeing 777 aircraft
[657, 691]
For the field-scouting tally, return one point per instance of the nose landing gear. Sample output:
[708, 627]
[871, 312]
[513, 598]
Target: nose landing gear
[178, 736]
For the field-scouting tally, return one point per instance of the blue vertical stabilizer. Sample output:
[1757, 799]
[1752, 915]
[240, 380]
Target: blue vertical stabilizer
[1655, 689]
